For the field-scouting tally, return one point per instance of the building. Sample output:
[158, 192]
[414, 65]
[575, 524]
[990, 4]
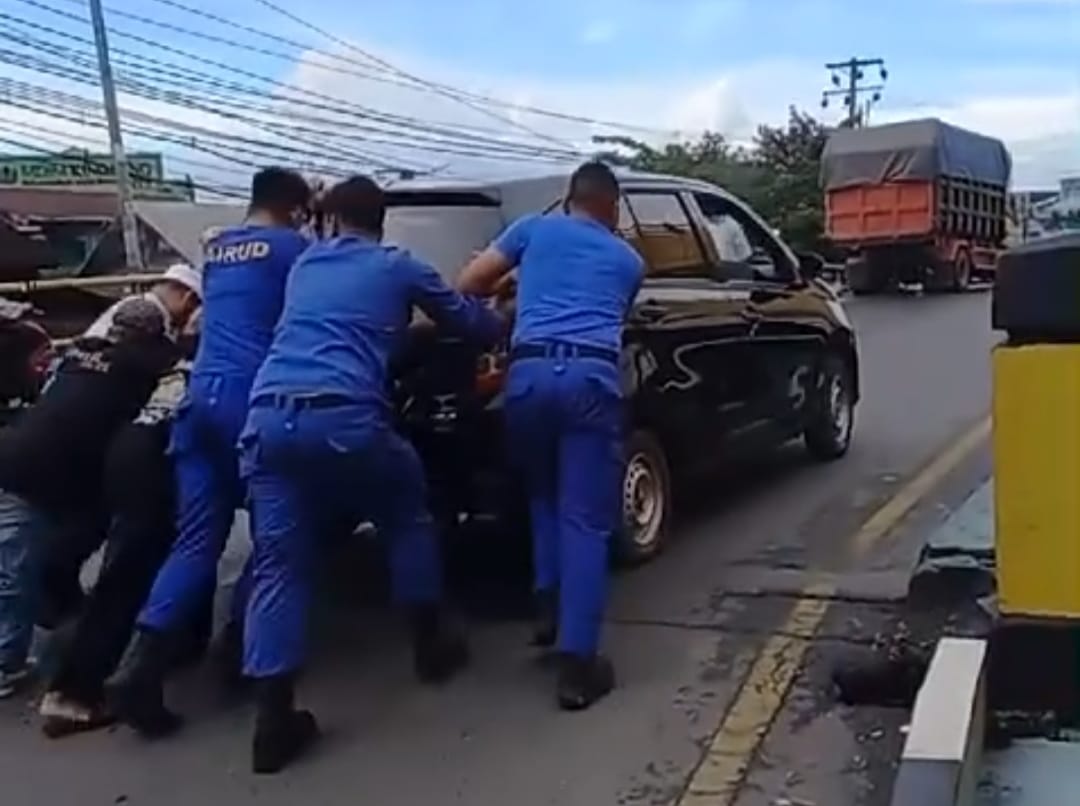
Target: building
[64, 232]
[1039, 213]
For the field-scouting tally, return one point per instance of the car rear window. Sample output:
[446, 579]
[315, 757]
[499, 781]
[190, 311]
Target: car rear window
[442, 228]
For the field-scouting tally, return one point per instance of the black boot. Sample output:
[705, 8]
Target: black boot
[136, 691]
[546, 625]
[282, 733]
[440, 649]
[583, 680]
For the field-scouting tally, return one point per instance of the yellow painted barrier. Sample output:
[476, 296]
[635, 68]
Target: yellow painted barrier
[1036, 444]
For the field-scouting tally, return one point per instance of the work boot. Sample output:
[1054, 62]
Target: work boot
[546, 624]
[583, 680]
[136, 691]
[440, 649]
[282, 734]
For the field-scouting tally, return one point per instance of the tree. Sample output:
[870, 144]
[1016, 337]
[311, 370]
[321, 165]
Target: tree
[777, 175]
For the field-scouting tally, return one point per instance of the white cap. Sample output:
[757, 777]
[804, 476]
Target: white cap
[185, 275]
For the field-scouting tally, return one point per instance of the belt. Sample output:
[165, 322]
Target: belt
[562, 349]
[326, 401]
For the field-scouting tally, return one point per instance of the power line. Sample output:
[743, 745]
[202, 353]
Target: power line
[389, 70]
[63, 140]
[282, 124]
[438, 89]
[132, 249]
[220, 190]
[854, 68]
[184, 77]
[328, 103]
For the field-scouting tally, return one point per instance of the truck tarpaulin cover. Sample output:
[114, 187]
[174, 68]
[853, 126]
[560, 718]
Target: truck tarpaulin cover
[916, 150]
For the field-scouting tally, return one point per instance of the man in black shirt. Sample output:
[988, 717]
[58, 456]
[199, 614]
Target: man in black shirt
[51, 459]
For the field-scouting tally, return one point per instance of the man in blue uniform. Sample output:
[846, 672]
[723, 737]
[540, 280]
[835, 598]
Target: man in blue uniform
[576, 282]
[243, 291]
[320, 447]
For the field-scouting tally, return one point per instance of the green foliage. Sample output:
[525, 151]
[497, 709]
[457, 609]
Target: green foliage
[777, 175]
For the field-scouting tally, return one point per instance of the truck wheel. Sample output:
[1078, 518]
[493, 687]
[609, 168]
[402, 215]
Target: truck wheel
[646, 501]
[864, 278]
[832, 407]
[961, 272]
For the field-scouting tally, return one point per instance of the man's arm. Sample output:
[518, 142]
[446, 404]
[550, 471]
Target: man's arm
[486, 273]
[462, 314]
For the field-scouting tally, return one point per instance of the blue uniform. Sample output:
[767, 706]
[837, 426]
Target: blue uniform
[576, 282]
[243, 290]
[319, 448]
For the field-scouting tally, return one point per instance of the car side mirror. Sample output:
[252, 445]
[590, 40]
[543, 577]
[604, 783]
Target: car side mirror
[810, 265]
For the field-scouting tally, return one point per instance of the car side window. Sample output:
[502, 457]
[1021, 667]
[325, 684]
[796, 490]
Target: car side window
[666, 236]
[740, 239]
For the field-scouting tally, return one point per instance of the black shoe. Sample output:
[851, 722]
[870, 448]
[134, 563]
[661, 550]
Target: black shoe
[546, 626]
[583, 681]
[135, 693]
[282, 733]
[440, 649]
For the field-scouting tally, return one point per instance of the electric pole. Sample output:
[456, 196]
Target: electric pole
[132, 252]
[853, 72]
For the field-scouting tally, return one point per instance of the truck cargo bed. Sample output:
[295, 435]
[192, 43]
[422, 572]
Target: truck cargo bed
[916, 210]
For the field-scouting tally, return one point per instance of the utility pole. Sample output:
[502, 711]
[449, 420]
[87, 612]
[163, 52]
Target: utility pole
[132, 252]
[853, 71]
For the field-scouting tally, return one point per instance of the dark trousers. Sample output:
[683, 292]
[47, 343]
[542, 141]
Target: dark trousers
[139, 492]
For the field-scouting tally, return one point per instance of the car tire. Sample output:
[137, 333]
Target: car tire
[646, 501]
[832, 419]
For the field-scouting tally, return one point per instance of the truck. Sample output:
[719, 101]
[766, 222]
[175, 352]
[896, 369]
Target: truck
[916, 202]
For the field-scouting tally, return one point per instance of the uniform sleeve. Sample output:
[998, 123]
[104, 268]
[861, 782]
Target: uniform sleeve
[515, 238]
[463, 315]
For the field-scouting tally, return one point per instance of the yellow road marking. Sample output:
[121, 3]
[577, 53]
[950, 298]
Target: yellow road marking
[722, 771]
[893, 511]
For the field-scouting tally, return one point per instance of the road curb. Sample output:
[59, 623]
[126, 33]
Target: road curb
[942, 755]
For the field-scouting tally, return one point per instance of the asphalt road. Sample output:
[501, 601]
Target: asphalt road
[685, 633]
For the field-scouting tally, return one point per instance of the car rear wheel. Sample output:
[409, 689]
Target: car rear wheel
[828, 435]
[646, 501]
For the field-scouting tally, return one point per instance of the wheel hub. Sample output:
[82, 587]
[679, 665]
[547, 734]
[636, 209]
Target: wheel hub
[839, 409]
[643, 504]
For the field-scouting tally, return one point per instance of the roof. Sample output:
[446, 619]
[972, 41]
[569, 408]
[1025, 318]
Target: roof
[522, 193]
[33, 202]
[181, 224]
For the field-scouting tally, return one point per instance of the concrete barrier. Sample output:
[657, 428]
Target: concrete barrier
[942, 755]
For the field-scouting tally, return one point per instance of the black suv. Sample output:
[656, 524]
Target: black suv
[734, 345]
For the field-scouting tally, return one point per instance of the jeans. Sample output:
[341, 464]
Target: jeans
[21, 529]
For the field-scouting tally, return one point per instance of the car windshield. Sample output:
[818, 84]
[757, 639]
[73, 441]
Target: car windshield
[442, 232]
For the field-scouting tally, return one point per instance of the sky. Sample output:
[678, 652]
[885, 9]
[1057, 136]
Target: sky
[661, 68]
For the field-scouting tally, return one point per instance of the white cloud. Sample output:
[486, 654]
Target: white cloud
[1042, 130]
[1038, 128]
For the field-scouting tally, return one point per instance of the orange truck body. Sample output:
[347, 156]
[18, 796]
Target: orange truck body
[891, 211]
[918, 201]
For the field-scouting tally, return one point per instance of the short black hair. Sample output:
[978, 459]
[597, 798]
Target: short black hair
[279, 190]
[592, 179]
[357, 202]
